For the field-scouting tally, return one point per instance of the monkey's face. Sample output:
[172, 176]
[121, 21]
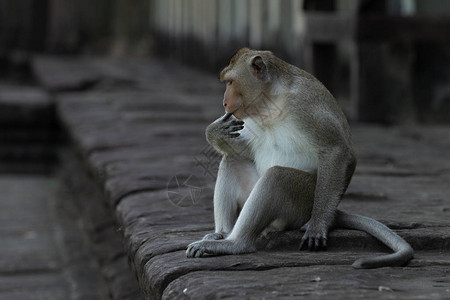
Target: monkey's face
[232, 99]
[239, 94]
[244, 82]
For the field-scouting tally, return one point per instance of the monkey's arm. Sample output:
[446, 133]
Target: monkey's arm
[335, 170]
[223, 134]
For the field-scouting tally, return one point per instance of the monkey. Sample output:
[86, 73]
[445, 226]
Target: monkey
[287, 160]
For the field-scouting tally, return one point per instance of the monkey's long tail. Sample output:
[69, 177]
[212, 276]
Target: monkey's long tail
[403, 252]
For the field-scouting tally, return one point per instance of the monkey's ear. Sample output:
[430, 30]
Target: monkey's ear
[259, 67]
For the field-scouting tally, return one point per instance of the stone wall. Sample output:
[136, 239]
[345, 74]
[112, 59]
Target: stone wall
[66, 26]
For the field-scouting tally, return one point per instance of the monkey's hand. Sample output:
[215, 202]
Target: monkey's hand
[229, 127]
[315, 235]
[220, 133]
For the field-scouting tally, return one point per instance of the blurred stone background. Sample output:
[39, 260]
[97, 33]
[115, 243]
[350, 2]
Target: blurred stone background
[385, 61]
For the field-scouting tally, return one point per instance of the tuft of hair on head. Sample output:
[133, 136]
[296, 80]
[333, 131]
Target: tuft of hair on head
[238, 54]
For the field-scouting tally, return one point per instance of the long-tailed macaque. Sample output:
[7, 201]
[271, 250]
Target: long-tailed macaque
[287, 160]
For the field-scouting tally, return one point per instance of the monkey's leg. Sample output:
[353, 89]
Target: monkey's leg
[235, 181]
[282, 194]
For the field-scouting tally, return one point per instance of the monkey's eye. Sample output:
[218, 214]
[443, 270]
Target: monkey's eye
[229, 82]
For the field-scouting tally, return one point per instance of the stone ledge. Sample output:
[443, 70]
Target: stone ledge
[136, 138]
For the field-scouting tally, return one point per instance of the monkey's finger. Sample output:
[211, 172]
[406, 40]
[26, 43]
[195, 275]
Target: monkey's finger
[233, 135]
[237, 122]
[317, 243]
[230, 123]
[227, 116]
[310, 244]
[302, 242]
[191, 250]
[236, 128]
[198, 253]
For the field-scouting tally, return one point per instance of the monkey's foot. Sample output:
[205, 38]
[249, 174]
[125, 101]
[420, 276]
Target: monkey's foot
[316, 237]
[218, 247]
[213, 236]
[195, 249]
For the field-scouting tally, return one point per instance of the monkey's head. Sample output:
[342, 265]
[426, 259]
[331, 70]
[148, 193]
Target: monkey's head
[247, 78]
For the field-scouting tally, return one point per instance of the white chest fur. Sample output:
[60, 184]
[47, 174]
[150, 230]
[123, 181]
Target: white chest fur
[280, 145]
